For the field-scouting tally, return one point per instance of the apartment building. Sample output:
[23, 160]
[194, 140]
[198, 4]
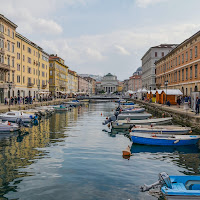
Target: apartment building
[58, 76]
[180, 69]
[72, 82]
[148, 64]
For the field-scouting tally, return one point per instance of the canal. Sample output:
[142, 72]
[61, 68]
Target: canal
[71, 155]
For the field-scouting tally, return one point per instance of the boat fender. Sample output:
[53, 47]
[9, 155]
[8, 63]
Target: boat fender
[9, 123]
[175, 142]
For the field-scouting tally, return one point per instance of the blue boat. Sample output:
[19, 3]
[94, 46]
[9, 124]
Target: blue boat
[182, 187]
[176, 187]
[164, 139]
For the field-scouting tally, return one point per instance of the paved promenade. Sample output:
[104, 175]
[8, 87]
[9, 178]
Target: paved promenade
[5, 108]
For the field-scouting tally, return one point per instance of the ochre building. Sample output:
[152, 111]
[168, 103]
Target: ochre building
[180, 68]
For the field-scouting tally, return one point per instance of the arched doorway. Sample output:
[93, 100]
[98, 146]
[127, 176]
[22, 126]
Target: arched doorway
[13, 93]
[196, 88]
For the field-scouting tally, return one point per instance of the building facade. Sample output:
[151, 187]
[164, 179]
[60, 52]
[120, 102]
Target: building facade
[148, 64]
[83, 85]
[91, 84]
[7, 57]
[58, 76]
[135, 82]
[31, 69]
[180, 69]
[109, 83]
[72, 82]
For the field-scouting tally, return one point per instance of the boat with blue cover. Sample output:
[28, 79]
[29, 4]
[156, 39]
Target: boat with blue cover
[164, 139]
[176, 187]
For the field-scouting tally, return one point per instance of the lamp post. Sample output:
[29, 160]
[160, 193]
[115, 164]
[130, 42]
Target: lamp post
[166, 83]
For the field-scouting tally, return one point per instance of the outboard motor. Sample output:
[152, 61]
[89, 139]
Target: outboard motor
[164, 179]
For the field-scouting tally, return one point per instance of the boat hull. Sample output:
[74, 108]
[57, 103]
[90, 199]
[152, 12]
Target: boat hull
[13, 119]
[162, 131]
[163, 142]
[133, 111]
[135, 116]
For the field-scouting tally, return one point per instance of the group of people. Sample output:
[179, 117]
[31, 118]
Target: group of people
[19, 100]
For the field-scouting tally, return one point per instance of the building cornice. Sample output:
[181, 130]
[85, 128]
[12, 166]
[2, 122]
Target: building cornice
[8, 21]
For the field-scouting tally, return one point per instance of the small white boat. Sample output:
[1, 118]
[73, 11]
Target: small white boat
[161, 129]
[134, 116]
[12, 116]
[6, 127]
[125, 124]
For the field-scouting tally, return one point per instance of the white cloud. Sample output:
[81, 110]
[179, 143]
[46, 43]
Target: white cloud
[146, 3]
[122, 50]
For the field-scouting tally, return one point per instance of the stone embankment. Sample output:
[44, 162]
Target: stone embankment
[5, 108]
[179, 115]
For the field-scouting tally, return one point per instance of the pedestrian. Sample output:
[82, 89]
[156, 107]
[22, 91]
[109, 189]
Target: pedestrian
[197, 105]
[18, 99]
[178, 102]
[5, 100]
[186, 103]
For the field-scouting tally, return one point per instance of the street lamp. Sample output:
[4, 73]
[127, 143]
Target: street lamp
[166, 83]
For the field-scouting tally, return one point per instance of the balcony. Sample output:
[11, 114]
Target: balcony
[4, 67]
[2, 50]
[30, 85]
[44, 86]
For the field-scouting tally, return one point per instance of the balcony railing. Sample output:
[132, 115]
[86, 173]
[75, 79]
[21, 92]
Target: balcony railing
[5, 67]
[30, 85]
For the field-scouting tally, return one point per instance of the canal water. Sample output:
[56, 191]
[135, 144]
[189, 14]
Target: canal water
[71, 155]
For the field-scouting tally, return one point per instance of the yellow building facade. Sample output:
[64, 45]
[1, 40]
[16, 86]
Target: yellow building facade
[72, 82]
[7, 56]
[24, 66]
[31, 68]
[58, 76]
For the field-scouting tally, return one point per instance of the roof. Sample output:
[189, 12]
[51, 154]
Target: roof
[109, 74]
[178, 46]
[8, 21]
[160, 46]
[170, 92]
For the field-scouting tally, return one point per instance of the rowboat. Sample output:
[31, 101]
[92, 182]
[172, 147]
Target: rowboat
[161, 129]
[134, 116]
[164, 139]
[125, 124]
[176, 187]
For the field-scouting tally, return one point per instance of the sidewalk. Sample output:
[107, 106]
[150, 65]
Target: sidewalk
[5, 108]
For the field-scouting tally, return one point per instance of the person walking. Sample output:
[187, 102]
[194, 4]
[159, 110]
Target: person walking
[197, 105]
[178, 102]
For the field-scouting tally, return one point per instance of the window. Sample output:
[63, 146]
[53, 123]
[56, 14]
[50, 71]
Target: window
[1, 28]
[156, 54]
[24, 58]
[34, 71]
[186, 56]
[18, 44]
[182, 58]
[179, 60]
[8, 32]
[13, 35]
[18, 79]
[43, 66]
[18, 56]
[42, 74]
[195, 70]
[195, 51]
[29, 80]
[1, 43]
[163, 54]
[29, 70]
[23, 68]
[8, 46]
[13, 77]
[182, 74]
[29, 60]
[23, 79]
[190, 54]
[29, 49]
[9, 60]
[13, 62]
[176, 61]
[191, 72]
[1, 58]
[18, 67]
[50, 73]
[23, 47]
[186, 73]
[13, 47]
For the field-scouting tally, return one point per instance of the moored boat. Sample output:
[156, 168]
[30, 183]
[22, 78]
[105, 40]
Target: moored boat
[13, 116]
[134, 116]
[134, 110]
[172, 129]
[6, 127]
[163, 139]
[126, 124]
[176, 187]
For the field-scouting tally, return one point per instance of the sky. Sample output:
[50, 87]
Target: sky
[102, 36]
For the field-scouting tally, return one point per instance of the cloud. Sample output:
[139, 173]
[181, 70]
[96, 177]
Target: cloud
[122, 50]
[146, 3]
